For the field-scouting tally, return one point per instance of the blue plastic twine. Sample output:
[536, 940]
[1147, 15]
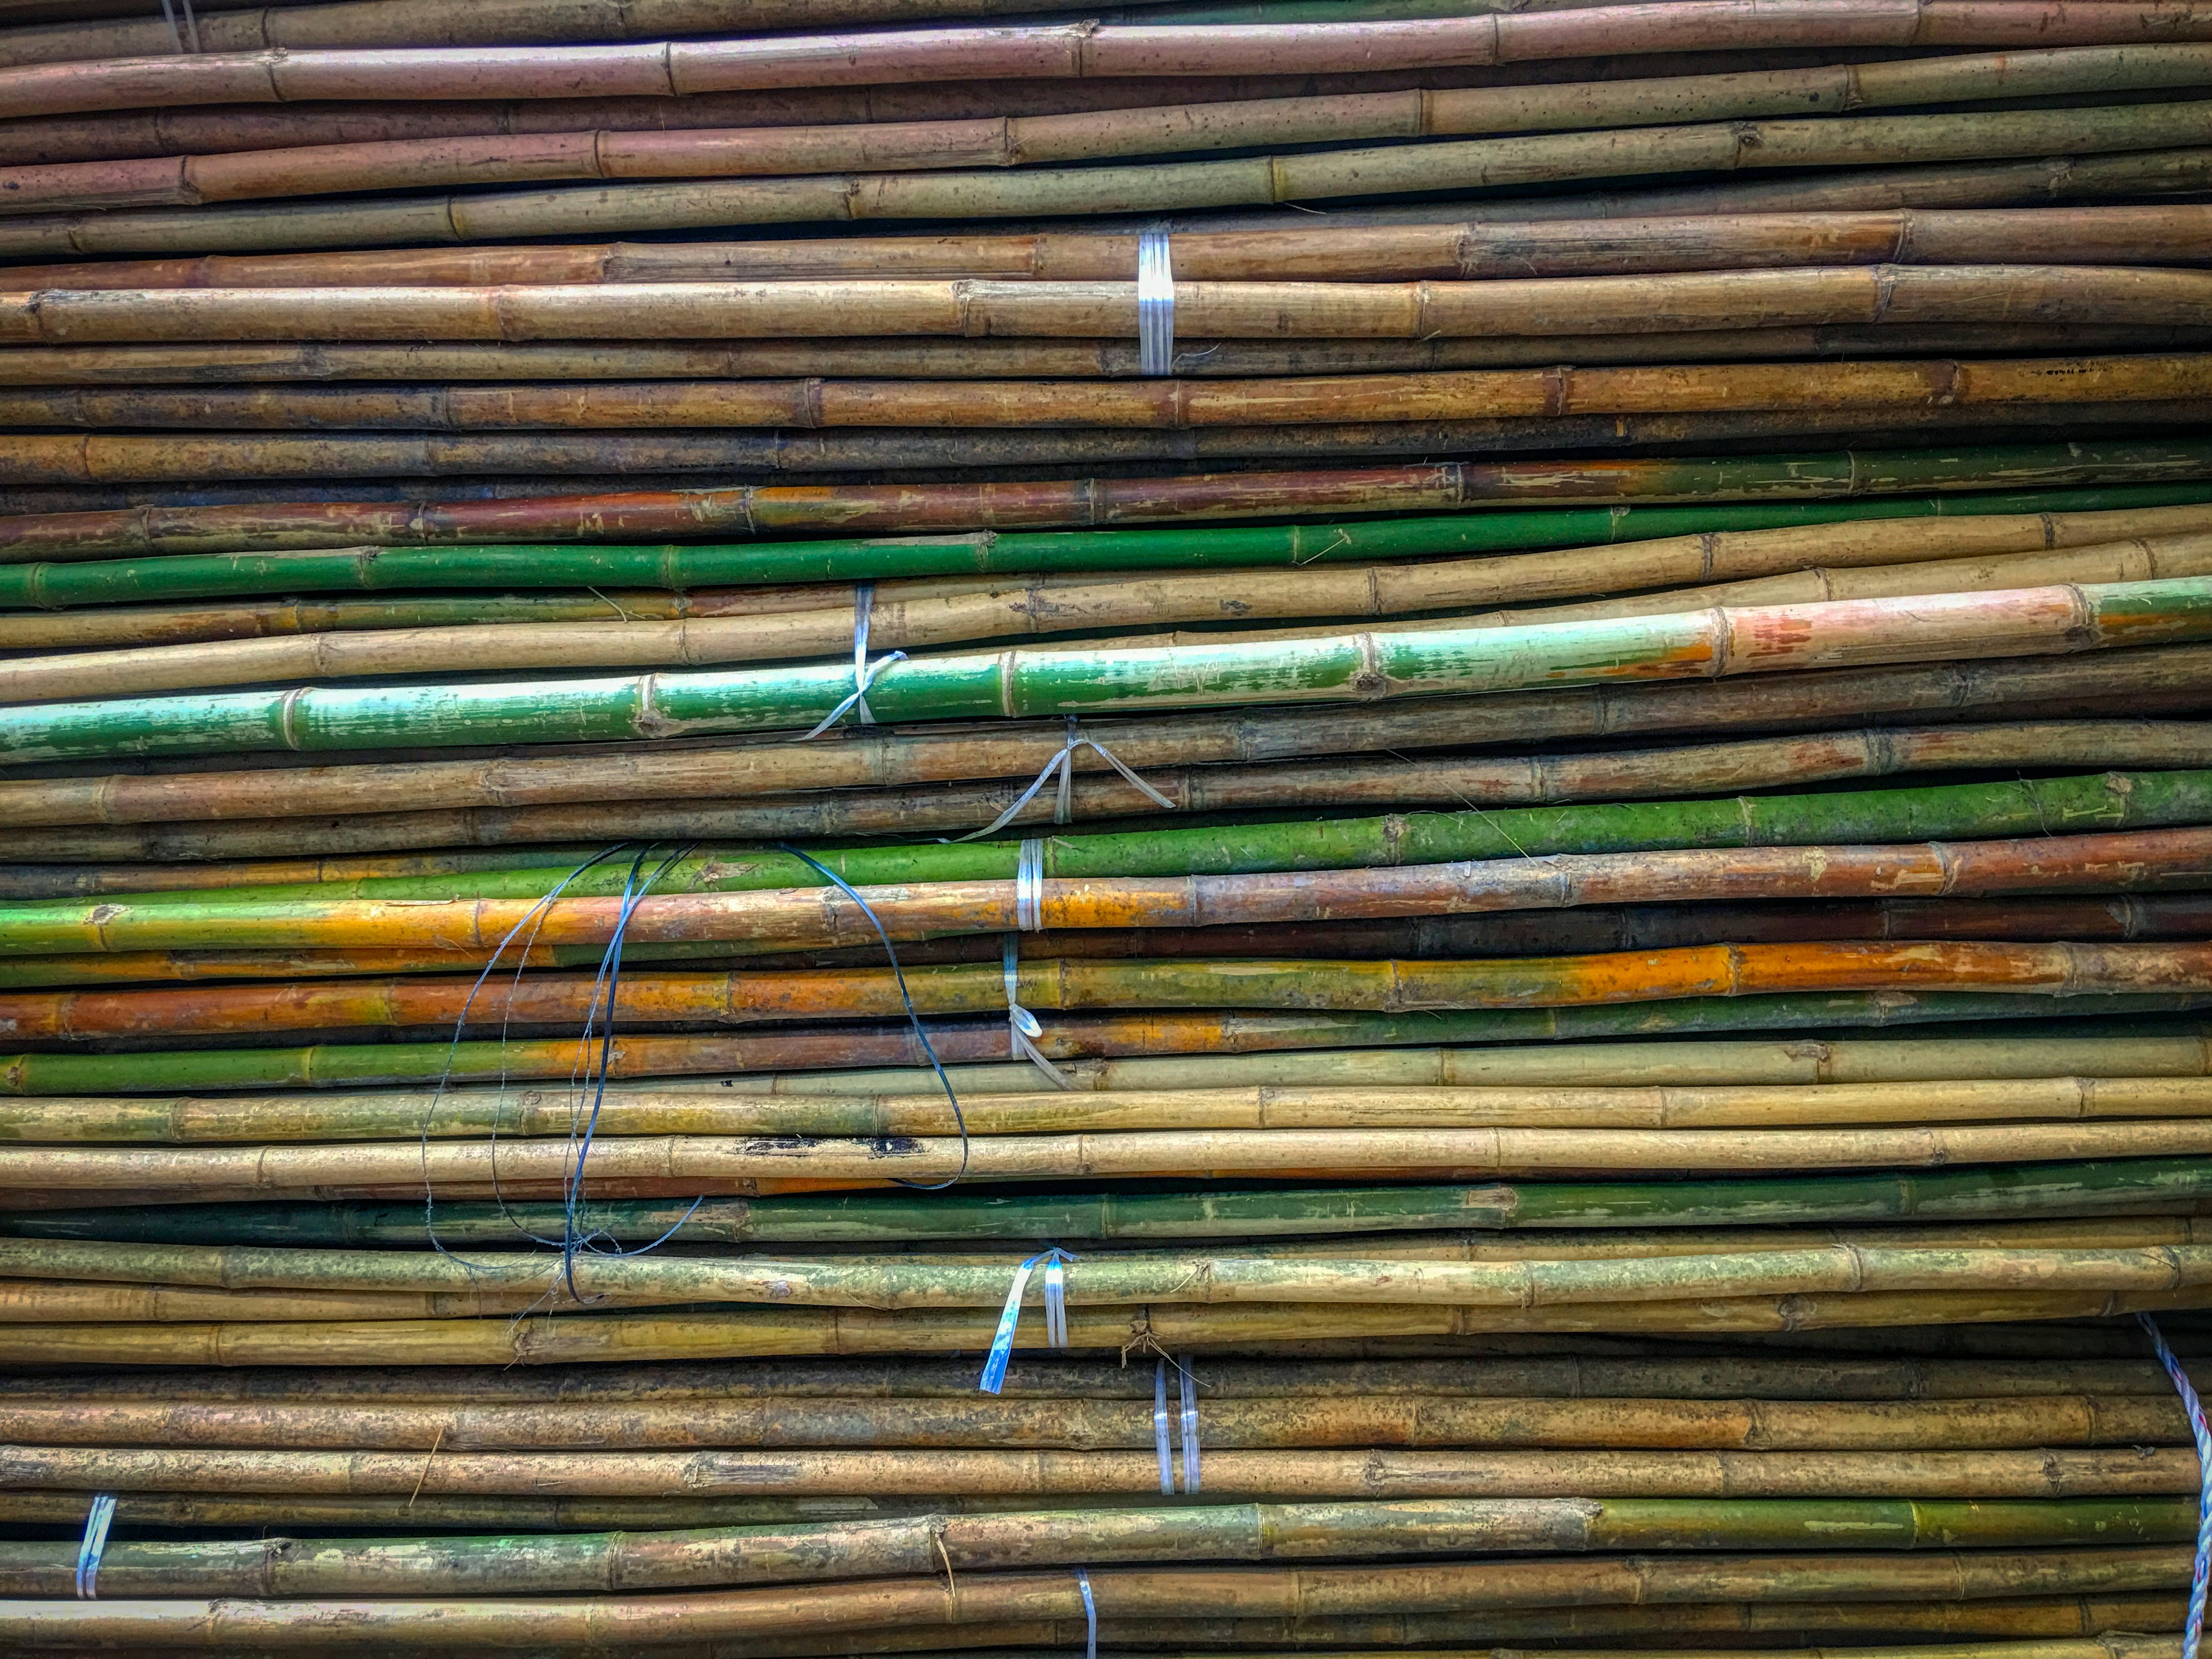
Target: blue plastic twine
[2194, 1408]
[1055, 1314]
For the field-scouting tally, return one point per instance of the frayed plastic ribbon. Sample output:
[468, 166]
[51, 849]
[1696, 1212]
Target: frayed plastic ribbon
[2194, 1407]
[1155, 305]
[1022, 1026]
[97, 1520]
[864, 672]
[1063, 810]
[1055, 1314]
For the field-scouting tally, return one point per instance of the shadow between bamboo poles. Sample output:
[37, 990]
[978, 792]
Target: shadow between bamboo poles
[2139, 232]
[853, 509]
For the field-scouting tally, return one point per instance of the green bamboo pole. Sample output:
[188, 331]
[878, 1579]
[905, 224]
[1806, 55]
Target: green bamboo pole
[681, 568]
[1351, 667]
[926, 1544]
[1997, 1192]
[290, 915]
[341, 1065]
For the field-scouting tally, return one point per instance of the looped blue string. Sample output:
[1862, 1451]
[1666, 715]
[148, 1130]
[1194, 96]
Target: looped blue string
[864, 672]
[2194, 1408]
[1055, 1314]
[94, 1544]
[1090, 1614]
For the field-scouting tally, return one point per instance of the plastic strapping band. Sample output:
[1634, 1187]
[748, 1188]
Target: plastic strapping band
[2195, 1409]
[1189, 1425]
[1022, 1027]
[1160, 1428]
[1055, 1314]
[1090, 1615]
[191, 26]
[94, 1545]
[1029, 887]
[864, 672]
[1155, 305]
[1063, 811]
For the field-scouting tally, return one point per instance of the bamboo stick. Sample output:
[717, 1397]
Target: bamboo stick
[753, 510]
[188, 1121]
[2152, 677]
[560, 1565]
[2136, 234]
[1001, 140]
[1675, 300]
[2033, 621]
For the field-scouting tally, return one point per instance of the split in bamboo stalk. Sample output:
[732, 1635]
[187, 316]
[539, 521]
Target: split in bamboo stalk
[1360, 667]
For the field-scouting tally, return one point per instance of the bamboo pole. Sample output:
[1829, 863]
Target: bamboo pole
[2159, 234]
[2131, 1186]
[965, 509]
[395, 645]
[1566, 305]
[2154, 677]
[1002, 140]
[562, 1564]
[788, 903]
[2032, 620]
[1041, 50]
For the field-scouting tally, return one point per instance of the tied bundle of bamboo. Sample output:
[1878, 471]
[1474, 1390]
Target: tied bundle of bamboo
[1228, 892]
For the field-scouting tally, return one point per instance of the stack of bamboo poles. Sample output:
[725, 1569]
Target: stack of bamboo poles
[1401, 842]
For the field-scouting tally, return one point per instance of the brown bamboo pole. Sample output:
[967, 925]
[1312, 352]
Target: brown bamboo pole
[1098, 1426]
[1675, 300]
[281, 1118]
[913, 617]
[849, 759]
[1002, 140]
[739, 1165]
[2136, 234]
[125, 365]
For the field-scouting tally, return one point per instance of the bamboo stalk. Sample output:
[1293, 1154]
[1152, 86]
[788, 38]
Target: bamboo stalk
[1566, 306]
[2033, 621]
[857, 510]
[2147, 678]
[1002, 140]
[560, 1564]
[2144, 232]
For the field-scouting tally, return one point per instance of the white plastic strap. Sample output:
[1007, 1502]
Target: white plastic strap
[1190, 1385]
[1160, 1429]
[1155, 305]
[192, 28]
[97, 1520]
[864, 672]
[1022, 1027]
[1029, 887]
[1063, 811]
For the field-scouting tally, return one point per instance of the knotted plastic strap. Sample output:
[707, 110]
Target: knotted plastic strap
[1022, 1027]
[1029, 887]
[1155, 305]
[1160, 1429]
[2195, 1409]
[94, 1544]
[1090, 1615]
[1055, 1314]
[864, 672]
[1063, 810]
[1190, 1385]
